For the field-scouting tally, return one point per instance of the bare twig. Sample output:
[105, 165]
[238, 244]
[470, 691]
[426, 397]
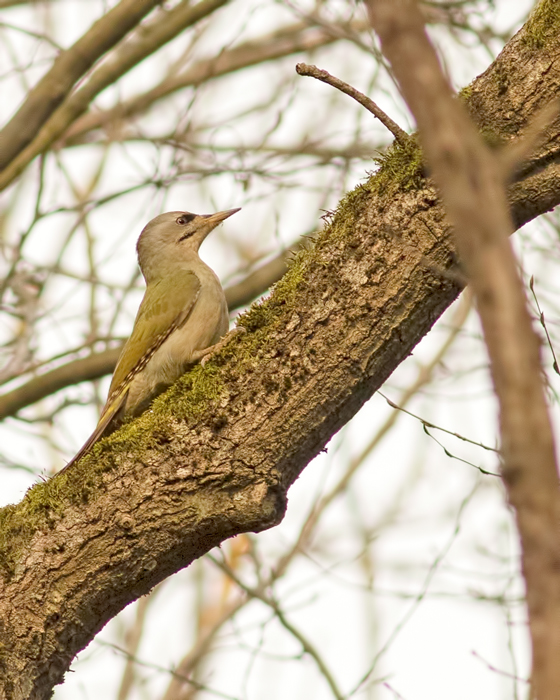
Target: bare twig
[133, 638]
[314, 72]
[427, 424]
[306, 645]
[203, 644]
[169, 671]
[442, 554]
[543, 325]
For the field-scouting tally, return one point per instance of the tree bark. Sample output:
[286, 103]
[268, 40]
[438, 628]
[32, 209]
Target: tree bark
[217, 454]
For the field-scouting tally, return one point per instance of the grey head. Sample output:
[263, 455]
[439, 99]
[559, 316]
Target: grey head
[172, 239]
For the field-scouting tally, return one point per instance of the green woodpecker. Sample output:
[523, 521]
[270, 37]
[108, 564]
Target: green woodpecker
[181, 318]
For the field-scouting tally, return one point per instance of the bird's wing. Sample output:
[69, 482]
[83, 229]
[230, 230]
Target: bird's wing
[164, 308]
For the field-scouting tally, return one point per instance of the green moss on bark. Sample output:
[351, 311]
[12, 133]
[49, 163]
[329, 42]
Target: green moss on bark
[543, 24]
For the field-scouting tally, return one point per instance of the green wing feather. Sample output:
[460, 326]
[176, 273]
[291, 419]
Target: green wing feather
[165, 307]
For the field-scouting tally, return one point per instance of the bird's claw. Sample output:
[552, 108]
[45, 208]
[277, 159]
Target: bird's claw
[220, 344]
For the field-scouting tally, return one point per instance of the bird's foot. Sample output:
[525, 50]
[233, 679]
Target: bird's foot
[208, 353]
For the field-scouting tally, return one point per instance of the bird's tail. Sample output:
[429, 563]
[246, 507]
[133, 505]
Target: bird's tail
[111, 409]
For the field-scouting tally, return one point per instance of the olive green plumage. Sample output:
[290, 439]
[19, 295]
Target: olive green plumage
[181, 318]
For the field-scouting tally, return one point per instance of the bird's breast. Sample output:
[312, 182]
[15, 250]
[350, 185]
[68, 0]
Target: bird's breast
[206, 324]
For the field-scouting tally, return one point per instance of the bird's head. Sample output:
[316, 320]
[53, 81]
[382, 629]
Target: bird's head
[173, 238]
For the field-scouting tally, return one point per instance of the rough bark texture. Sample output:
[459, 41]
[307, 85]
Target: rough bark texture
[217, 454]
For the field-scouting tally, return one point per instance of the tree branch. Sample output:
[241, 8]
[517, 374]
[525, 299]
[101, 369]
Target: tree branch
[471, 181]
[323, 75]
[292, 39]
[142, 44]
[67, 69]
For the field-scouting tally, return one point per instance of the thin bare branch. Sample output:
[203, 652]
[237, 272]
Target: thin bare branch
[145, 42]
[306, 645]
[133, 638]
[555, 365]
[292, 39]
[85, 369]
[314, 72]
[203, 644]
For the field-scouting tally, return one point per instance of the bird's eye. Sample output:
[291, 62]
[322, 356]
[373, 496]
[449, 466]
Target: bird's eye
[184, 219]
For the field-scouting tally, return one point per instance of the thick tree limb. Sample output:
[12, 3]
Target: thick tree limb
[471, 180]
[217, 453]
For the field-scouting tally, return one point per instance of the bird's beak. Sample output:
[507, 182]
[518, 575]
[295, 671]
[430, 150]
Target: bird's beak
[215, 219]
